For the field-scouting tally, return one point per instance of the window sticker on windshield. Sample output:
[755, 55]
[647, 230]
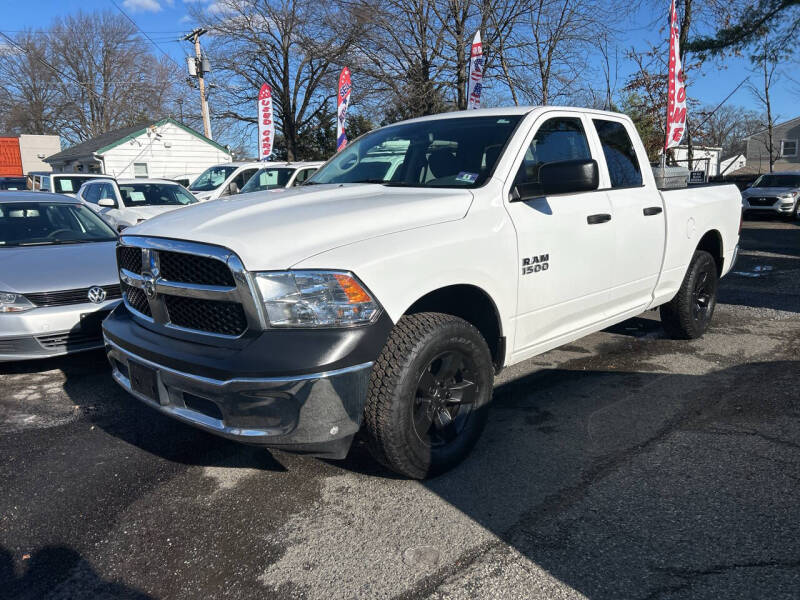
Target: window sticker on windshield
[466, 177]
[137, 196]
[66, 185]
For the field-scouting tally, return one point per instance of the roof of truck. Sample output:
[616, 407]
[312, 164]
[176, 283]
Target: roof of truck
[508, 110]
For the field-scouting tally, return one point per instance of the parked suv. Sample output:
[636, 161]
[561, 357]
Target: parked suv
[66, 183]
[130, 201]
[223, 180]
[277, 175]
[776, 193]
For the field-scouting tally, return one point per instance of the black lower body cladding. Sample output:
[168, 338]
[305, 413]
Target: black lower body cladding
[299, 390]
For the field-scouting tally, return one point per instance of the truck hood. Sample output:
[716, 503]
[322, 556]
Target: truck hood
[768, 191]
[276, 229]
[54, 268]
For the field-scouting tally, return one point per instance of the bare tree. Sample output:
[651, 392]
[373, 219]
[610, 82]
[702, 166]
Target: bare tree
[295, 46]
[30, 101]
[108, 77]
[766, 63]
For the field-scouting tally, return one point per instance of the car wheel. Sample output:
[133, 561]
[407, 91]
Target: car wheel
[429, 394]
[689, 313]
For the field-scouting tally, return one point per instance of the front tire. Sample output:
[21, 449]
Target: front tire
[429, 394]
[688, 314]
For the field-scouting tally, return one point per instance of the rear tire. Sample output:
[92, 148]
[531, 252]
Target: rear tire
[429, 394]
[688, 314]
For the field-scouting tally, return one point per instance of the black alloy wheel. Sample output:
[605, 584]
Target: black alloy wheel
[445, 398]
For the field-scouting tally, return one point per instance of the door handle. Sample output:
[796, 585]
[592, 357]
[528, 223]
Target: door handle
[596, 219]
[652, 210]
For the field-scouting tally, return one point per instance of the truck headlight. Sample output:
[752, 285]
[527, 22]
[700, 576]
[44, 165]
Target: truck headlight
[315, 299]
[11, 303]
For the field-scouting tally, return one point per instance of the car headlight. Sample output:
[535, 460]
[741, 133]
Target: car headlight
[315, 299]
[12, 303]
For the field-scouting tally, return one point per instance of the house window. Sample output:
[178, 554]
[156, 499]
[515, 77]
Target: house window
[788, 148]
[139, 170]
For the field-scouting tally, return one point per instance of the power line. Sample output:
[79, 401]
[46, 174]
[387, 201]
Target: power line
[119, 8]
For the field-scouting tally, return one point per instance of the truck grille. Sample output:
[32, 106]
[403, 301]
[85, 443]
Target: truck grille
[189, 268]
[136, 298]
[66, 297]
[226, 318]
[186, 285]
[130, 259]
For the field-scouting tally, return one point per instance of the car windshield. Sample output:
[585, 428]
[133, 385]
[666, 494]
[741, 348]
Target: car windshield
[13, 184]
[70, 184]
[458, 152]
[50, 223]
[155, 194]
[211, 178]
[777, 181]
[267, 179]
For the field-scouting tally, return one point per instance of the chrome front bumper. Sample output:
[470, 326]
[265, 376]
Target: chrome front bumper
[315, 414]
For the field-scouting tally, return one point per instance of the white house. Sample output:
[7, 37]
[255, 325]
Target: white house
[732, 163]
[704, 158]
[162, 149]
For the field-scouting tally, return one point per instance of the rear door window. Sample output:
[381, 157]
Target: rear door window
[623, 164]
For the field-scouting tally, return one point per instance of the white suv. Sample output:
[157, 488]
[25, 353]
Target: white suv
[223, 180]
[126, 202]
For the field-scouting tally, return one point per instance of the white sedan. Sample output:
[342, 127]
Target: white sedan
[126, 202]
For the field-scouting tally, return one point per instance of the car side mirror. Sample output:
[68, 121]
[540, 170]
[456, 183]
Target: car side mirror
[106, 202]
[569, 176]
[233, 188]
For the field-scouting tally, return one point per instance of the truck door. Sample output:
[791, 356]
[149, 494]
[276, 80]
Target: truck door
[638, 215]
[565, 241]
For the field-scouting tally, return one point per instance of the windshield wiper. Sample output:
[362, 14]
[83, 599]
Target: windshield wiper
[47, 243]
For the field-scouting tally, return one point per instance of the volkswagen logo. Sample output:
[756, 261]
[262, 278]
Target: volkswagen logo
[149, 285]
[96, 294]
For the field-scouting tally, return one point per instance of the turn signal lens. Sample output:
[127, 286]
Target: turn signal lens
[354, 292]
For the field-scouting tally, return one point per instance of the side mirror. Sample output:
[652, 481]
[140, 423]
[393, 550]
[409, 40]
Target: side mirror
[106, 202]
[233, 188]
[568, 176]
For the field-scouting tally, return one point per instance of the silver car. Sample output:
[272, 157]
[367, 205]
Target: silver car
[776, 193]
[58, 275]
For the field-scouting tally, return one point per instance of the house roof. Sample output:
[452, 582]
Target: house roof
[106, 141]
[774, 126]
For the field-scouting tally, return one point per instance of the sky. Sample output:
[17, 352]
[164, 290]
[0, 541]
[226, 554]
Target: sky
[166, 21]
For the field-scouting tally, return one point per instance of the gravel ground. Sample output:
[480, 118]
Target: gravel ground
[624, 465]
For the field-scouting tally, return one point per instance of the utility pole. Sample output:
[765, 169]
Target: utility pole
[198, 66]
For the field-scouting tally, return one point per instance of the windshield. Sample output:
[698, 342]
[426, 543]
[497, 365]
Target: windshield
[70, 184]
[459, 152]
[777, 181]
[267, 179]
[50, 223]
[155, 194]
[211, 178]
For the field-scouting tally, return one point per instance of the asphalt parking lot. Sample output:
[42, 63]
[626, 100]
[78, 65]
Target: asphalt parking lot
[625, 465]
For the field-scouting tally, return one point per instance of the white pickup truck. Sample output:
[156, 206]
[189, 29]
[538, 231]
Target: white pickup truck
[385, 294]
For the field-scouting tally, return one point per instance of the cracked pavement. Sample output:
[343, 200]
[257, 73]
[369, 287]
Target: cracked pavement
[624, 465]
